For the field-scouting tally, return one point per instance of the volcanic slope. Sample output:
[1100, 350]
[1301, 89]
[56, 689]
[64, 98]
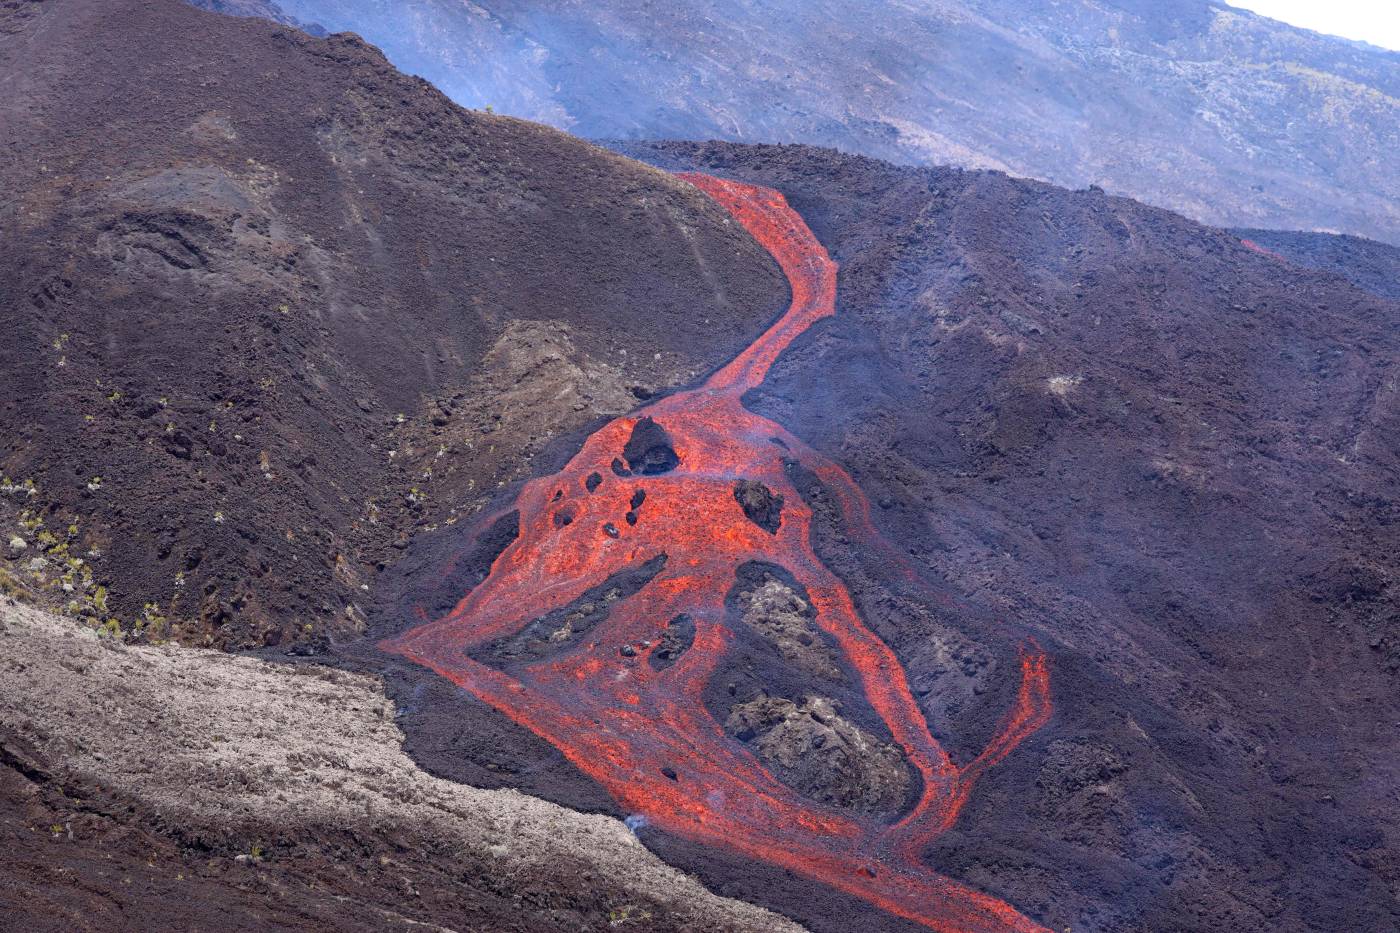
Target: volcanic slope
[1171, 458]
[700, 490]
[270, 306]
[1365, 263]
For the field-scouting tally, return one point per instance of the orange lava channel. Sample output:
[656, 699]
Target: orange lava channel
[621, 721]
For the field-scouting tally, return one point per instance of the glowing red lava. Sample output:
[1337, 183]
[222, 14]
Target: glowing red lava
[1256, 248]
[644, 733]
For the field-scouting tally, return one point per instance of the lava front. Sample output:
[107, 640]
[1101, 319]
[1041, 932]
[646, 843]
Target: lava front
[657, 489]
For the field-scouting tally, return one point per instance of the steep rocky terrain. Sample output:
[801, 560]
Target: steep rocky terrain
[1189, 104]
[1365, 263]
[270, 305]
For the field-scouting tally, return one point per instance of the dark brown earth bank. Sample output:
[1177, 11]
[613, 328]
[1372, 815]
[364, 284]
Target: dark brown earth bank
[270, 306]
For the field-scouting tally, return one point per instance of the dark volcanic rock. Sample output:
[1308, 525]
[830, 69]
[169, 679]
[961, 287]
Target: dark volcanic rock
[648, 451]
[1365, 263]
[675, 641]
[760, 504]
[821, 754]
[244, 267]
[287, 305]
[771, 608]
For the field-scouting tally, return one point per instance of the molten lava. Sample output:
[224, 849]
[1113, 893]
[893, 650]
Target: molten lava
[1256, 248]
[642, 730]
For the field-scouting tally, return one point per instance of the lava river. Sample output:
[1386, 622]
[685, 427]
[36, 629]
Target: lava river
[658, 488]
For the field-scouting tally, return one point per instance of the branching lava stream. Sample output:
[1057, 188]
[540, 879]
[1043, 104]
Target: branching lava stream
[659, 485]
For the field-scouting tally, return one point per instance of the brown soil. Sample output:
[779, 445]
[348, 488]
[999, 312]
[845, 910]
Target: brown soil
[272, 306]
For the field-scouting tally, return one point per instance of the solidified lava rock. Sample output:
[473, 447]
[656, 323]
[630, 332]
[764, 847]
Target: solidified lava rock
[775, 611]
[675, 641]
[763, 507]
[648, 451]
[564, 627]
[821, 754]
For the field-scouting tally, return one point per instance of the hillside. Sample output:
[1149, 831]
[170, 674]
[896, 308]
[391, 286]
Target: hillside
[1170, 459]
[1367, 264]
[329, 827]
[271, 306]
[1211, 111]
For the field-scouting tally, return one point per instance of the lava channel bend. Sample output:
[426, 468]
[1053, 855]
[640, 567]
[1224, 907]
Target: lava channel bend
[642, 730]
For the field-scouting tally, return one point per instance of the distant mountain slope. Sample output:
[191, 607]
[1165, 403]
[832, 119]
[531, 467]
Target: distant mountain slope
[266, 9]
[1214, 112]
[268, 305]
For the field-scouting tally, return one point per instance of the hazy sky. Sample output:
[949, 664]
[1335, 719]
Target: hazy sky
[1373, 21]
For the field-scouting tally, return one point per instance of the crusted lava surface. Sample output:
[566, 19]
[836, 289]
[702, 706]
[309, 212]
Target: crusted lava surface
[1177, 462]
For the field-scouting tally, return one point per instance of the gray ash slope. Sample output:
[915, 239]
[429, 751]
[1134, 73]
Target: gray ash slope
[1194, 105]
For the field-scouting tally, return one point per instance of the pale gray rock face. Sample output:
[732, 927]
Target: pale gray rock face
[267, 758]
[1225, 116]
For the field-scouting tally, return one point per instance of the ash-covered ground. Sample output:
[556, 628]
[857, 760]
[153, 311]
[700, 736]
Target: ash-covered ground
[271, 307]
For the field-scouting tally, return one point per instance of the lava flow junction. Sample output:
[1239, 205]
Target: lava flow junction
[668, 487]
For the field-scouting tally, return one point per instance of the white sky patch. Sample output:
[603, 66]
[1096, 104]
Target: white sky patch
[1373, 21]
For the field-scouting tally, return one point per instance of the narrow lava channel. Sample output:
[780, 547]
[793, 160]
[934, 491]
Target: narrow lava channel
[661, 483]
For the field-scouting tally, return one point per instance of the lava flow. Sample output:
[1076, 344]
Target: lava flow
[658, 488]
